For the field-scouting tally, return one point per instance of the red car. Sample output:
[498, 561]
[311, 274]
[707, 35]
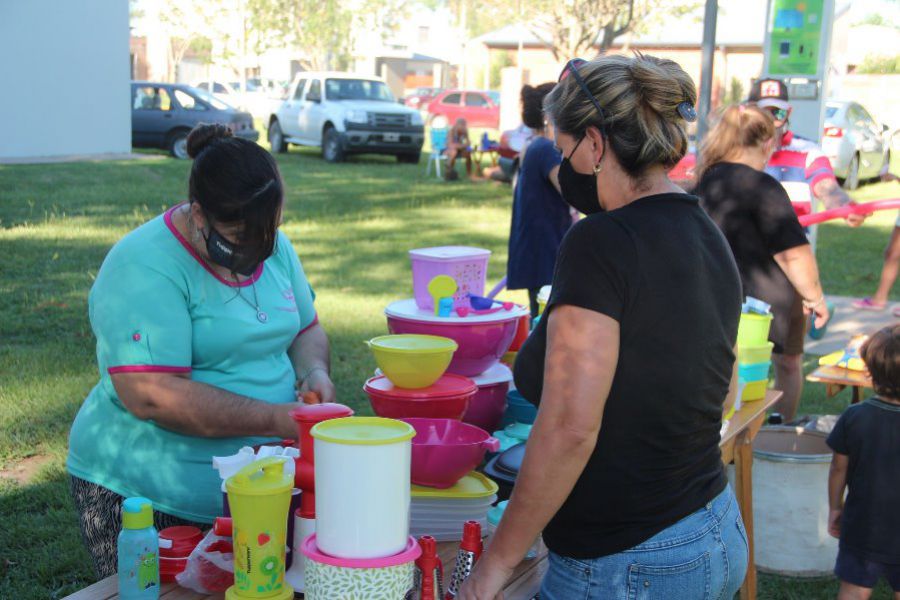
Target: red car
[478, 108]
[421, 97]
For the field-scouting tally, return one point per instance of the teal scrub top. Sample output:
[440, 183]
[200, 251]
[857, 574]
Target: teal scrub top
[157, 307]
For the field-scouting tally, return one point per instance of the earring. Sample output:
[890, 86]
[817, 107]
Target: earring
[597, 168]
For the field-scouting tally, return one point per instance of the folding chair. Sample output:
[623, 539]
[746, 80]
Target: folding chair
[438, 150]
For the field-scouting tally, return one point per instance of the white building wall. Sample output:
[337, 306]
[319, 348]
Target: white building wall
[65, 74]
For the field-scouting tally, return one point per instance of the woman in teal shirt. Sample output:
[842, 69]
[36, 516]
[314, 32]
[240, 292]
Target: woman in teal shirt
[205, 323]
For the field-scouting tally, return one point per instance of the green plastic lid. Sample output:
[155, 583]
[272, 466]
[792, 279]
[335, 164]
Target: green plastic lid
[363, 431]
[261, 478]
[137, 513]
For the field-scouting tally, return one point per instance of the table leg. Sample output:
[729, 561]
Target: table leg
[857, 394]
[743, 468]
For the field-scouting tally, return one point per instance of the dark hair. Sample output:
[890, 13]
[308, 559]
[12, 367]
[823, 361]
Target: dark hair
[533, 104]
[881, 353]
[640, 96]
[236, 182]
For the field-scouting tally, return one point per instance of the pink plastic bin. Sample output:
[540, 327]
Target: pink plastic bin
[444, 450]
[489, 403]
[468, 266]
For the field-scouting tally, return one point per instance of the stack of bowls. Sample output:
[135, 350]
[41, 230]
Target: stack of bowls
[441, 512]
[175, 546]
[754, 355]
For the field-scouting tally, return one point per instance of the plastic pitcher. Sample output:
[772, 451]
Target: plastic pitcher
[259, 496]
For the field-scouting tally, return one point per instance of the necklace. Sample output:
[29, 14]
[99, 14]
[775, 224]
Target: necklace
[261, 316]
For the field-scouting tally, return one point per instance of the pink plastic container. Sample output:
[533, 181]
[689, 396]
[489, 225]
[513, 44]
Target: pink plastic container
[468, 266]
[489, 403]
[482, 340]
[445, 450]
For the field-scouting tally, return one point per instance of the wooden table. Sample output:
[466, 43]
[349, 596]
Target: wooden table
[523, 585]
[736, 445]
[836, 379]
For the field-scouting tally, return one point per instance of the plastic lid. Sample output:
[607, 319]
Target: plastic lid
[517, 430]
[499, 373]
[315, 413]
[473, 485]
[261, 478]
[448, 386]
[409, 554]
[363, 431]
[410, 311]
[449, 252]
[510, 462]
[496, 513]
[137, 513]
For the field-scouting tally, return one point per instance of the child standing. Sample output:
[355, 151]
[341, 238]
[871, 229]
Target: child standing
[866, 444]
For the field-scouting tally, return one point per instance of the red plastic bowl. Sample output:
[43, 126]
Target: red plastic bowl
[445, 450]
[448, 398]
[481, 344]
[184, 539]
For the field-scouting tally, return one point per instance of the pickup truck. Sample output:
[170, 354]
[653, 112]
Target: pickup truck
[346, 114]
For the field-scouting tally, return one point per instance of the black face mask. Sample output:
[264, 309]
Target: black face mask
[226, 254]
[578, 189]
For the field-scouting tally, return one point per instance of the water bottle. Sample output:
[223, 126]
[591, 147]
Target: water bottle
[138, 552]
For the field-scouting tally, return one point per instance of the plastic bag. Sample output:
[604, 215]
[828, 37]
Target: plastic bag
[210, 567]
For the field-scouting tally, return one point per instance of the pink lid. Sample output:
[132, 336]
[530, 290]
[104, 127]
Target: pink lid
[449, 253]
[449, 385]
[312, 552]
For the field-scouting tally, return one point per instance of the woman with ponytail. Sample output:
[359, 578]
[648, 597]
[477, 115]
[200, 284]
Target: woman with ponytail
[205, 324]
[772, 252]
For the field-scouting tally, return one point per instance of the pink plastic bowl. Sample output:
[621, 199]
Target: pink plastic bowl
[444, 450]
[481, 345]
[487, 406]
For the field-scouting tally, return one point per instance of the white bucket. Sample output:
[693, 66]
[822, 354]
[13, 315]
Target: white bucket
[790, 502]
[362, 486]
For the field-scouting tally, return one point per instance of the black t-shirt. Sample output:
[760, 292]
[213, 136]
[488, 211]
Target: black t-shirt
[869, 433]
[755, 214]
[662, 269]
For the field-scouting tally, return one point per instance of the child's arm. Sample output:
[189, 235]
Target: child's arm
[837, 483]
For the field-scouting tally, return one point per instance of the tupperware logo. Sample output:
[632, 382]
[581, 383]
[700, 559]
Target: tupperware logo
[249, 562]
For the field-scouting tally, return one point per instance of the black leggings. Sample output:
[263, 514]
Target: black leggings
[100, 517]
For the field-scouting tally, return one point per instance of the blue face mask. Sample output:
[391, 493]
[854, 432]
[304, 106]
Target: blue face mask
[226, 254]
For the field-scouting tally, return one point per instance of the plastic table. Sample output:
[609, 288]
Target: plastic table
[736, 446]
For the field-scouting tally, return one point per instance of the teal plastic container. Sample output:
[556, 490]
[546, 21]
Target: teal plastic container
[138, 552]
[755, 371]
[518, 410]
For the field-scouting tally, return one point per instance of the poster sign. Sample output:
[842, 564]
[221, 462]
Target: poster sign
[796, 37]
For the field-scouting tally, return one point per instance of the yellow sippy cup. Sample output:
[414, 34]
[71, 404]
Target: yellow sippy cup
[259, 496]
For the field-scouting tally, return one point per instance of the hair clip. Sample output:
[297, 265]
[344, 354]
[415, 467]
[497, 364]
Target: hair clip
[687, 112]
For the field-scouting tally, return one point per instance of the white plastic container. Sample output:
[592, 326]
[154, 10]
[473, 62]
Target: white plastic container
[362, 486]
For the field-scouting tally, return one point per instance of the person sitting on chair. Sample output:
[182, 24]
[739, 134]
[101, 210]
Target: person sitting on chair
[458, 145]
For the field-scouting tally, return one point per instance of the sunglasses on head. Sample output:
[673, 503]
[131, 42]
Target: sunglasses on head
[572, 68]
[780, 114]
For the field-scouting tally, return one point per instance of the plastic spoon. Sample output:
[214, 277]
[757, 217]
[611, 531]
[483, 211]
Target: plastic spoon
[442, 286]
[482, 303]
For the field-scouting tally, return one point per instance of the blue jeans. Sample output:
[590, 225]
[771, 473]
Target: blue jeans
[701, 557]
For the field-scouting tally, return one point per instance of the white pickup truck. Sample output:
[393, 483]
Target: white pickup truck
[346, 114]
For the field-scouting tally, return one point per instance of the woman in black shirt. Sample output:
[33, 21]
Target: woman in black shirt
[774, 258]
[638, 336]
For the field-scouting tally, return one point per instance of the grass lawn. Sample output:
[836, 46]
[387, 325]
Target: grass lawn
[352, 225]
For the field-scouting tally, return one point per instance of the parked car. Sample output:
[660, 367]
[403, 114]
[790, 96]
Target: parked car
[346, 114]
[421, 97]
[856, 145]
[259, 99]
[476, 107]
[162, 115]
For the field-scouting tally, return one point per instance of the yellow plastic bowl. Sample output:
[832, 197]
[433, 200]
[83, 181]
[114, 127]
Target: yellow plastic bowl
[755, 390]
[753, 329]
[413, 361]
[749, 355]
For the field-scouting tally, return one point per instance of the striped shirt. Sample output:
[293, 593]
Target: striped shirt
[799, 165]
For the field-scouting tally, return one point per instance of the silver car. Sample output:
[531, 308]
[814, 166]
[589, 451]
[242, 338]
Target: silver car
[856, 145]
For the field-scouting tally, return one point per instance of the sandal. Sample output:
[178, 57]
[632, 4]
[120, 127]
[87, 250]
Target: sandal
[869, 304]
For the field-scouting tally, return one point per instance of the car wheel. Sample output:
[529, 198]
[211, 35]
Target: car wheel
[276, 138]
[178, 144]
[411, 158]
[331, 146]
[852, 180]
